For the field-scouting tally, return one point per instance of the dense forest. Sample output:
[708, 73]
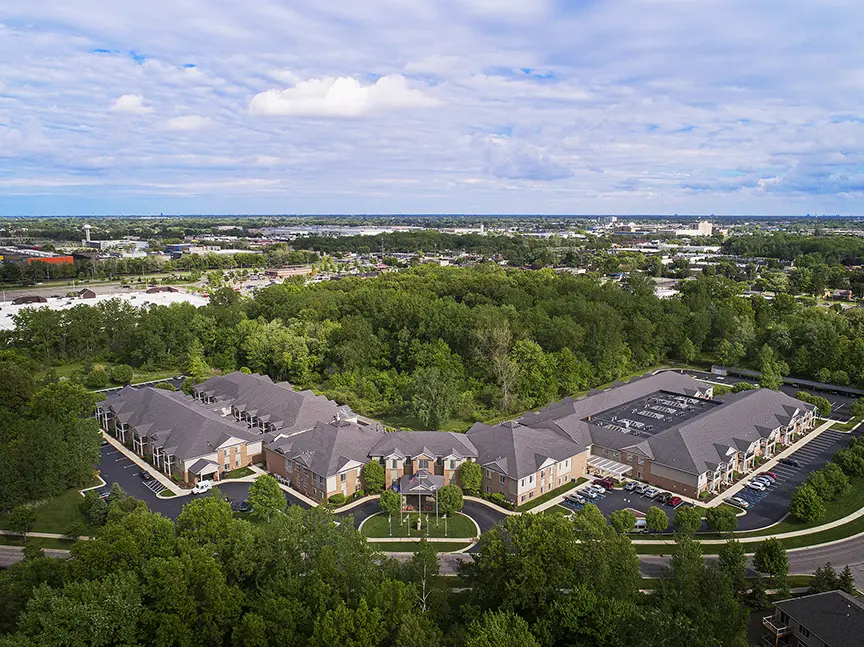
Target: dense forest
[834, 249]
[457, 343]
[302, 580]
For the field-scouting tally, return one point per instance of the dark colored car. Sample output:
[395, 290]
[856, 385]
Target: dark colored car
[664, 497]
[605, 483]
[674, 500]
[145, 476]
[244, 507]
[104, 494]
[791, 462]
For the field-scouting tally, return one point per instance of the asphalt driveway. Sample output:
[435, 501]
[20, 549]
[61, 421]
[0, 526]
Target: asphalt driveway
[485, 516]
[114, 467]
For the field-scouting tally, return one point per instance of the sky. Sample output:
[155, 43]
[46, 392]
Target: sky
[414, 106]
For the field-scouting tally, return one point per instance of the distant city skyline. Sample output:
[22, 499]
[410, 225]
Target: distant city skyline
[474, 107]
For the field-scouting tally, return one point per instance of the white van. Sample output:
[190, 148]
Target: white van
[640, 526]
[202, 487]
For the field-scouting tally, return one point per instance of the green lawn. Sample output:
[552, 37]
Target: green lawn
[54, 515]
[557, 509]
[405, 421]
[239, 473]
[63, 544]
[68, 370]
[794, 581]
[458, 526]
[551, 494]
[845, 426]
[413, 547]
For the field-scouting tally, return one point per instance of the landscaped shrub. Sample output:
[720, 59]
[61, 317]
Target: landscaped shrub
[337, 499]
[806, 504]
[96, 379]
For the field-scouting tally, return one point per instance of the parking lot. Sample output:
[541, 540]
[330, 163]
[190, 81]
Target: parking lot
[772, 505]
[619, 499]
[115, 467]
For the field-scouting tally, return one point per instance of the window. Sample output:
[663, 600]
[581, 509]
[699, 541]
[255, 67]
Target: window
[531, 479]
[542, 489]
[804, 631]
[502, 479]
[522, 500]
[530, 495]
[488, 474]
[228, 465]
[395, 464]
[424, 464]
[342, 477]
[487, 489]
[641, 461]
[522, 483]
[452, 465]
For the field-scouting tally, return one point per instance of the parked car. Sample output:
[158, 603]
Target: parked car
[145, 476]
[771, 474]
[754, 485]
[631, 485]
[791, 462]
[591, 494]
[642, 489]
[576, 499]
[104, 494]
[599, 489]
[764, 481]
[244, 506]
[738, 501]
[663, 497]
[202, 486]
[767, 478]
[674, 501]
[651, 492]
[604, 483]
[104, 441]
[640, 526]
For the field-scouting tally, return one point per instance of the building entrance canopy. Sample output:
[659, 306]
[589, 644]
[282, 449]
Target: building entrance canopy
[608, 467]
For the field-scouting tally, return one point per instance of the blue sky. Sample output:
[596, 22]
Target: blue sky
[409, 106]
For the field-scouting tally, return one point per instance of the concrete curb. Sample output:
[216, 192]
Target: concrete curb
[140, 462]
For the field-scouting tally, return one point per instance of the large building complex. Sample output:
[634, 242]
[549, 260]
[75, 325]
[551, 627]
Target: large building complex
[832, 619]
[665, 429]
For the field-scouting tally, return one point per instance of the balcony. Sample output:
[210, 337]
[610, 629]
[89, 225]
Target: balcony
[778, 631]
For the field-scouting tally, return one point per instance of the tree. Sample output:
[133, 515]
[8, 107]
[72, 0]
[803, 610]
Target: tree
[850, 462]
[94, 509]
[96, 379]
[687, 520]
[499, 629]
[743, 386]
[21, 519]
[121, 373]
[450, 499]
[721, 518]
[687, 350]
[422, 571]
[771, 371]
[824, 579]
[857, 408]
[622, 521]
[806, 504]
[729, 353]
[846, 581]
[434, 396]
[656, 519]
[470, 476]
[770, 557]
[758, 596]
[266, 497]
[196, 367]
[373, 477]
[732, 560]
[389, 502]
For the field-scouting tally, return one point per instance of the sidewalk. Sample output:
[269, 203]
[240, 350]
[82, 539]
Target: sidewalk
[441, 540]
[764, 467]
[135, 458]
[42, 535]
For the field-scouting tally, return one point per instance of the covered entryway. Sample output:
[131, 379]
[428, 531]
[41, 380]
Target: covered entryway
[203, 469]
[418, 488]
[600, 466]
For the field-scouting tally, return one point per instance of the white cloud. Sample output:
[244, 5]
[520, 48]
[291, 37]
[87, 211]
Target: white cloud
[514, 160]
[340, 97]
[188, 123]
[132, 104]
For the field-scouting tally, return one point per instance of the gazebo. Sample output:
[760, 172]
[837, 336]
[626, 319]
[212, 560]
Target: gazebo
[420, 484]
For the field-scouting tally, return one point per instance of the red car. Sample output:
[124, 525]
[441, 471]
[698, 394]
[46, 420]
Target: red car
[675, 500]
[771, 474]
[604, 483]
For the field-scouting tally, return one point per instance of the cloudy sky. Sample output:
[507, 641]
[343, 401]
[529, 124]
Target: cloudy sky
[415, 106]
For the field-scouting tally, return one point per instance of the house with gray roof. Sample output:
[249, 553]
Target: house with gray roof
[324, 460]
[832, 619]
[180, 436]
[522, 462]
[440, 453]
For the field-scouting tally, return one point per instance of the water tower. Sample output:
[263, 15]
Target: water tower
[87, 233]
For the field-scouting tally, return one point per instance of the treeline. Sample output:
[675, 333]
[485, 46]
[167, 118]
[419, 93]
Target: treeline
[302, 580]
[457, 343]
[517, 250]
[109, 268]
[845, 250]
[46, 446]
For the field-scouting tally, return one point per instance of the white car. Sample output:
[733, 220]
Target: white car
[202, 486]
[599, 489]
[632, 485]
[591, 494]
[738, 501]
[756, 485]
[764, 481]
[651, 493]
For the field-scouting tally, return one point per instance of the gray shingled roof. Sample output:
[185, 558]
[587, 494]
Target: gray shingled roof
[289, 410]
[518, 451]
[172, 420]
[409, 444]
[836, 618]
[328, 447]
